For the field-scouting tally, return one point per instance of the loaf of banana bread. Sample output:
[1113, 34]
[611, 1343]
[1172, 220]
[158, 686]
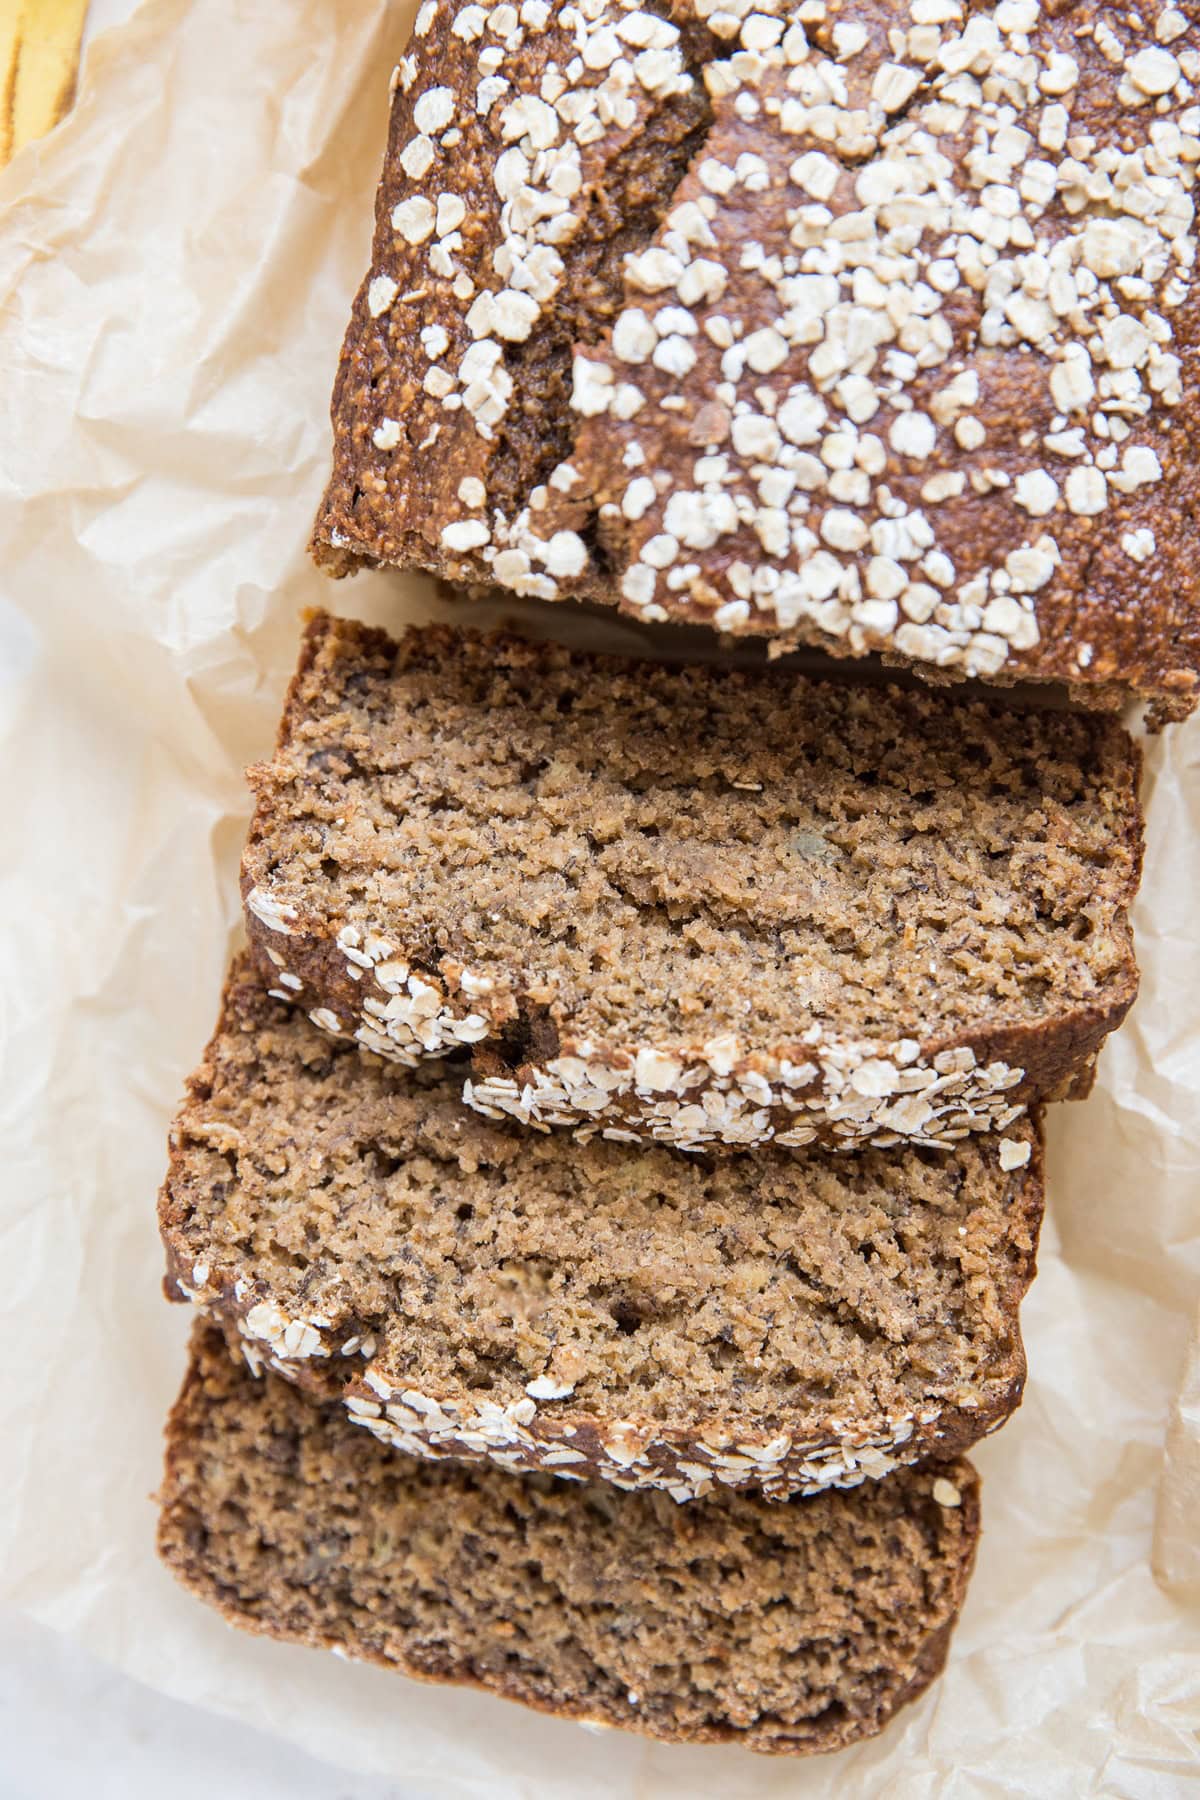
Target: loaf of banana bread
[694, 905]
[872, 324]
[786, 1629]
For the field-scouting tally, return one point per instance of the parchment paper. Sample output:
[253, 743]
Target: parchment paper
[176, 266]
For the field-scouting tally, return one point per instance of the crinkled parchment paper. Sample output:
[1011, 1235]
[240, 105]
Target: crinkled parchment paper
[176, 266]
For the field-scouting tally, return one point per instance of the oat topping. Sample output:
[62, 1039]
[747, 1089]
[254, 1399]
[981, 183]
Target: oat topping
[845, 1092]
[906, 349]
[1013, 1154]
[418, 1425]
[950, 213]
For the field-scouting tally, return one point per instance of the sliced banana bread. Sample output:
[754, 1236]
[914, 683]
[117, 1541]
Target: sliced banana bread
[786, 1629]
[873, 325]
[692, 904]
[787, 1321]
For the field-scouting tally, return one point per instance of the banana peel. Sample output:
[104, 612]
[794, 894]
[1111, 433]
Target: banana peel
[39, 62]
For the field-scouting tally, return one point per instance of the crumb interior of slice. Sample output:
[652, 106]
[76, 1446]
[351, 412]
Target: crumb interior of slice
[664, 854]
[729, 1611]
[674, 1289]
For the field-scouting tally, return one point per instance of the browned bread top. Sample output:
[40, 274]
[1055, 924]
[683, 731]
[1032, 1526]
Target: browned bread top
[870, 325]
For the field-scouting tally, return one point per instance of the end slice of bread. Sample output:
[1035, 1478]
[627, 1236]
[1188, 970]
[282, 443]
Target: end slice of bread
[788, 1629]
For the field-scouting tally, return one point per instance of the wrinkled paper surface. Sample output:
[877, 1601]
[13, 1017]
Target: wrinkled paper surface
[176, 267]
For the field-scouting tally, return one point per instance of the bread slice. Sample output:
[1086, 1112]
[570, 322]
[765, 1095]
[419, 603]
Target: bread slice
[870, 331]
[786, 1629]
[787, 1321]
[689, 904]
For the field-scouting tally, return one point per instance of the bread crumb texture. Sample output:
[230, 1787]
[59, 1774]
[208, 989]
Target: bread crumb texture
[694, 905]
[785, 1321]
[786, 1629]
[873, 326]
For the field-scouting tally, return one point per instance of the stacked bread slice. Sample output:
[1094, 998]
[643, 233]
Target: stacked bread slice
[693, 905]
[784, 1628]
[613, 1180]
[784, 1322]
[799, 963]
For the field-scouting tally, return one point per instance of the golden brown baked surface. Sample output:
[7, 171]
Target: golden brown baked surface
[870, 325]
[782, 1320]
[787, 1629]
[691, 904]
